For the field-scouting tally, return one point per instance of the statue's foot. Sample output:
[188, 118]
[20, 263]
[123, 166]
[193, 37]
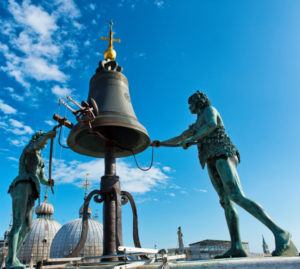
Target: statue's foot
[284, 245]
[15, 264]
[233, 252]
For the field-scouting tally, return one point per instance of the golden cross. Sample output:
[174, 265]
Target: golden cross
[110, 53]
[110, 38]
[86, 185]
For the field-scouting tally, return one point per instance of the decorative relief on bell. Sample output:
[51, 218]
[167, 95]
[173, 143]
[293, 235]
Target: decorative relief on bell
[127, 97]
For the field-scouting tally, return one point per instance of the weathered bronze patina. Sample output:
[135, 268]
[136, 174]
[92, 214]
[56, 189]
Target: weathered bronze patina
[24, 190]
[116, 120]
[221, 156]
[107, 127]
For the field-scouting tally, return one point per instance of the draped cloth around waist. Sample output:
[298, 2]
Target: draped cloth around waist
[215, 145]
[35, 184]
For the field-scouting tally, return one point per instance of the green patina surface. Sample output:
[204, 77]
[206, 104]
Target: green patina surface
[24, 190]
[221, 156]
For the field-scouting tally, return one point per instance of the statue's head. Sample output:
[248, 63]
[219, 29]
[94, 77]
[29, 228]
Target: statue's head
[37, 137]
[197, 101]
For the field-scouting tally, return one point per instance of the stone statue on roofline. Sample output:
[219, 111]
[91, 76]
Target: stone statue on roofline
[221, 157]
[180, 241]
[24, 190]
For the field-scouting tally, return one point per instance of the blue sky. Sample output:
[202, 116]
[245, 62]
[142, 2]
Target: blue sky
[244, 54]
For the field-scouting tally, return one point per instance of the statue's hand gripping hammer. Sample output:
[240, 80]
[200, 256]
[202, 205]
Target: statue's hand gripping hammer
[62, 121]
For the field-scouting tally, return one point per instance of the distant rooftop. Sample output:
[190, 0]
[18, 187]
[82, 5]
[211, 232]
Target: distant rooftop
[214, 242]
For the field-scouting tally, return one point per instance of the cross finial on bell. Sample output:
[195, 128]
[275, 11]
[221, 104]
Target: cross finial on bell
[110, 53]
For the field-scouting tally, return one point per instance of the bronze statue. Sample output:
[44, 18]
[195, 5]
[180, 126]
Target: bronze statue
[24, 190]
[180, 241]
[221, 156]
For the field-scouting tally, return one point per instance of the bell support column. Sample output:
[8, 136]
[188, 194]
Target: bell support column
[112, 212]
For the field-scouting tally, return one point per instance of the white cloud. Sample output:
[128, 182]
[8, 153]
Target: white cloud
[10, 89]
[17, 97]
[36, 45]
[7, 109]
[200, 190]
[141, 55]
[132, 179]
[13, 159]
[61, 92]
[19, 128]
[33, 17]
[7, 28]
[16, 123]
[20, 142]
[67, 8]
[50, 122]
[172, 194]
[159, 3]
[92, 6]
[174, 186]
[14, 95]
[40, 69]
[167, 169]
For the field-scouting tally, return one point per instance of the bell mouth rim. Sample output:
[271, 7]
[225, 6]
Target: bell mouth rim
[81, 127]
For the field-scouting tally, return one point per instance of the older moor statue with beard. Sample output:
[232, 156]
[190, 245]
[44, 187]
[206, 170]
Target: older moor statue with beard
[221, 157]
[24, 190]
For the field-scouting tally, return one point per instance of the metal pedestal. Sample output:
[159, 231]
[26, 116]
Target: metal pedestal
[112, 211]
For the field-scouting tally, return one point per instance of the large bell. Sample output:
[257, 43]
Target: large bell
[116, 120]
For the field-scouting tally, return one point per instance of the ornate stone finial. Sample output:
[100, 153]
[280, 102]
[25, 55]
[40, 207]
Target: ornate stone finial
[265, 247]
[96, 216]
[110, 53]
[46, 193]
[86, 184]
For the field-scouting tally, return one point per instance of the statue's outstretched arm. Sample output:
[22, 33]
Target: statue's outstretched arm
[177, 139]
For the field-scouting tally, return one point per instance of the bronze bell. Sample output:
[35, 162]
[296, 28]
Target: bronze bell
[116, 121]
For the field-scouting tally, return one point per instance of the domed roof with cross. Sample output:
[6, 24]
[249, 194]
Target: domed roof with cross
[45, 209]
[38, 241]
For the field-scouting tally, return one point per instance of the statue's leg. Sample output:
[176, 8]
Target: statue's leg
[19, 198]
[28, 217]
[227, 170]
[231, 215]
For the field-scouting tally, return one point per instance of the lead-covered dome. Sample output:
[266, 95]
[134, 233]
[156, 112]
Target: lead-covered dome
[45, 209]
[38, 241]
[67, 238]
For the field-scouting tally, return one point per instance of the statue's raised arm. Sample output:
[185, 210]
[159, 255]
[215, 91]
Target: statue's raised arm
[40, 140]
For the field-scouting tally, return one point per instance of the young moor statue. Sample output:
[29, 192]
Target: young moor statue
[221, 157]
[24, 190]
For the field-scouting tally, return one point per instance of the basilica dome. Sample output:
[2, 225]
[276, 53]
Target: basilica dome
[38, 241]
[67, 238]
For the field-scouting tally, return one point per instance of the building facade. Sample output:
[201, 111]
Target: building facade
[208, 249]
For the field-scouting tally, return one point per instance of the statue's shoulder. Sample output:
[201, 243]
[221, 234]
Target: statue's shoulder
[211, 111]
